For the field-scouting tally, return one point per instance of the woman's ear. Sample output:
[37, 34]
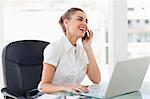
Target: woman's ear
[66, 23]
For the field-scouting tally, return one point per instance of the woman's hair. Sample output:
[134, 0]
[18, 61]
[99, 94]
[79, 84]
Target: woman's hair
[67, 15]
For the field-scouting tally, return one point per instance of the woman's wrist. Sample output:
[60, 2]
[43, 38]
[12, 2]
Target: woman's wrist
[87, 47]
[66, 89]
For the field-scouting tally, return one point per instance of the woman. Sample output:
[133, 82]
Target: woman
[65, 62]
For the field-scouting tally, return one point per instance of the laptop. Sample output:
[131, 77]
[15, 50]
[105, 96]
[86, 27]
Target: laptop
[127, 76]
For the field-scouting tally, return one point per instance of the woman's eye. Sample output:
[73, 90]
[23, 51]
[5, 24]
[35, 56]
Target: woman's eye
[80, 19]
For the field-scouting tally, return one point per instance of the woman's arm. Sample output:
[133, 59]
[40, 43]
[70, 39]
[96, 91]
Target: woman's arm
[93, 71]
[47, 77]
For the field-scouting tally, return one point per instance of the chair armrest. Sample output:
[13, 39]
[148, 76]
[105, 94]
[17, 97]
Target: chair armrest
[5, 93]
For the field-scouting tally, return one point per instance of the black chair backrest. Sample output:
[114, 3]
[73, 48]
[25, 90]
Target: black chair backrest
[22, 65]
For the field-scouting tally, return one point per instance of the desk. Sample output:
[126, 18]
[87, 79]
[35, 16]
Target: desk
[143, 94]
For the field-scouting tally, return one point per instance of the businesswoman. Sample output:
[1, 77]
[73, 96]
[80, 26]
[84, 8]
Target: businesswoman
[65, 62]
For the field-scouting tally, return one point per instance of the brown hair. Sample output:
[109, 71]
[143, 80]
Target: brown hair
[67, 15]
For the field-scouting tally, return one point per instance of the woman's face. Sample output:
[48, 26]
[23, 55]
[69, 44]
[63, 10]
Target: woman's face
[77, 24]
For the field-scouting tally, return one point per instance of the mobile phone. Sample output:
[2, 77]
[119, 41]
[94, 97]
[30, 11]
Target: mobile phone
[86, 35]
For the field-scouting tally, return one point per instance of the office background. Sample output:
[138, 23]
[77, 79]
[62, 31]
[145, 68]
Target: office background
[116, 24]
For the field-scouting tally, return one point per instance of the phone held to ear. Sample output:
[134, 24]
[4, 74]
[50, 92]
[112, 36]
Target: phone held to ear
[86, 35]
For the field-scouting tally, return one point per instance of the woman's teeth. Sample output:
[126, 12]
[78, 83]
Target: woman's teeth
[82, 29]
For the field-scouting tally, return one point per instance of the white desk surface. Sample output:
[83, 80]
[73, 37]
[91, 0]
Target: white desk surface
[143, 94]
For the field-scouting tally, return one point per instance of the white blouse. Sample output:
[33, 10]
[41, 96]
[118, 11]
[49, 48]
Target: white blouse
[70, 61]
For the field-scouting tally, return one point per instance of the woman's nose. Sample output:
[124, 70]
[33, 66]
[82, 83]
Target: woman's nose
[84, 22]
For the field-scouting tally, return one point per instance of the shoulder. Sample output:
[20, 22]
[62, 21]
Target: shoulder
[55, 46]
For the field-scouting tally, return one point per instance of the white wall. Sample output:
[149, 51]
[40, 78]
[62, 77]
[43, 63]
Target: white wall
[117, 29]
[1, 39]
[1, 22]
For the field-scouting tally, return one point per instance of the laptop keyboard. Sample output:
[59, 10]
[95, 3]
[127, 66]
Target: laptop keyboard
[96, 90]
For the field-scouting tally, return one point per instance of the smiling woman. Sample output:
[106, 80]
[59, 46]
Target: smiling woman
[37, 19]
[65, 62]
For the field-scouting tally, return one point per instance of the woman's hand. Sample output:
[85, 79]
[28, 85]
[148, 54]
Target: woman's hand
[88, 40]
[77, 88]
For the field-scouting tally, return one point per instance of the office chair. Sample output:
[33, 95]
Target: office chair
[22, 66]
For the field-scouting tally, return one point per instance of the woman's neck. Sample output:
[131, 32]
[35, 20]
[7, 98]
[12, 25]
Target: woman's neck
[72, 39]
